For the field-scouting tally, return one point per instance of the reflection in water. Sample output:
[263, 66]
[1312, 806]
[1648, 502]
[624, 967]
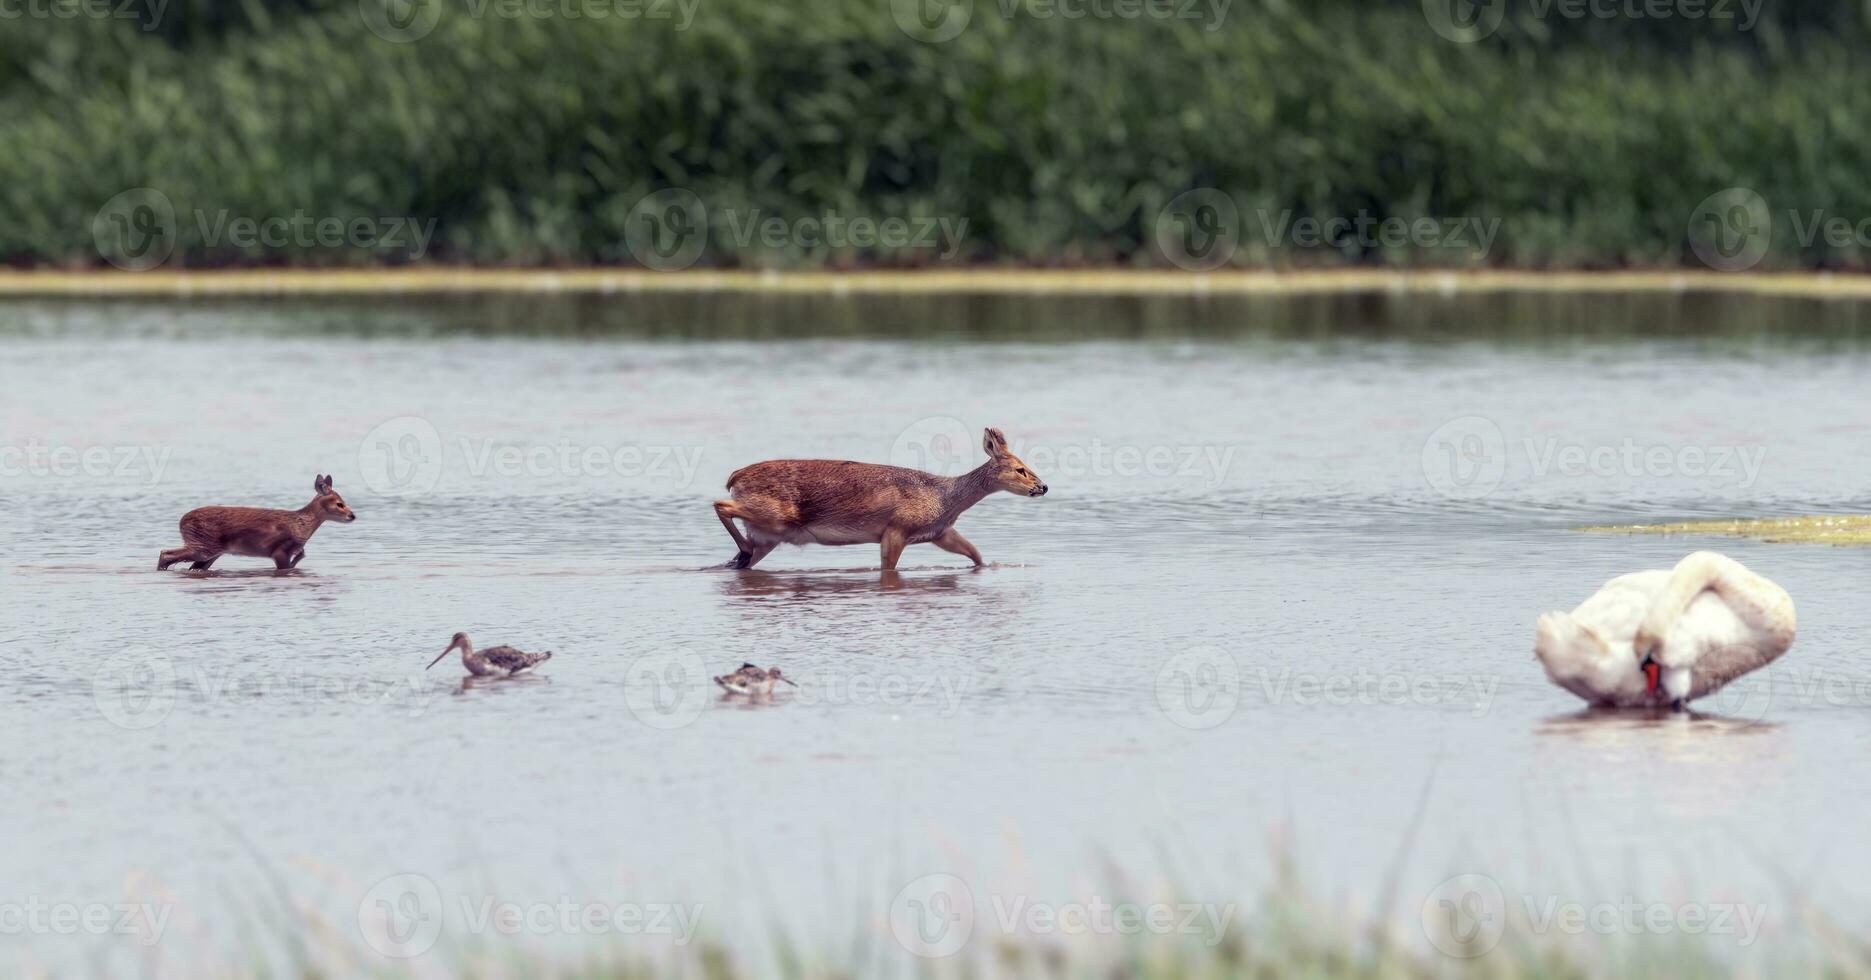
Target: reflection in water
[831, 584]
[1649, 726]
[510, 684]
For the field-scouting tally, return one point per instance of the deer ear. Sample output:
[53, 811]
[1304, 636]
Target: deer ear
[321, 484]
[993, 442]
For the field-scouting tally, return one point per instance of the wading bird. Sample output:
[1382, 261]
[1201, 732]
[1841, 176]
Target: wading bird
[752, 680]
[493, 661]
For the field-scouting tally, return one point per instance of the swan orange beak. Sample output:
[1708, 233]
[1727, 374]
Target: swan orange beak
[1651, 672]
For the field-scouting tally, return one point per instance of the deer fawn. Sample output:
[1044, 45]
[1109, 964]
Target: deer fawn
[824, 501]
[256, 532]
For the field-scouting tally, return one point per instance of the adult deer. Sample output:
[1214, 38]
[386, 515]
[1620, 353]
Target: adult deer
[824, 501]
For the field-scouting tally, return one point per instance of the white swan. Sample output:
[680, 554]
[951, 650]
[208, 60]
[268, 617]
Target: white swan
[1654, 638]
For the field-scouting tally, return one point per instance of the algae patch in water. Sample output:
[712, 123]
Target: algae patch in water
[1844, 530]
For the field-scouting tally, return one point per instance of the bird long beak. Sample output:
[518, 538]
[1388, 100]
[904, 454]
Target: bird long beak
[789, 680]
[444, 653]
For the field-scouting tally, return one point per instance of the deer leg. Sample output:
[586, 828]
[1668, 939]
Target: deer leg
[951, 541]
[204, 564]
[189, 553]
[298, 555]
[760, 551]
[744, 552]
[892, 544]
[282, 556]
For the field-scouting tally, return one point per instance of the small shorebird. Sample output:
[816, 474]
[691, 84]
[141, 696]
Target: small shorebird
[752, 680]
[493, 661]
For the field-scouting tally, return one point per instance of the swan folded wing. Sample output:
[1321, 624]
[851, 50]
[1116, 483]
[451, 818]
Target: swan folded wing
[1717, 616]
[1718, 644]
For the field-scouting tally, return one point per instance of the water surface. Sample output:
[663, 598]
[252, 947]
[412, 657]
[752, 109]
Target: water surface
[1280, 600]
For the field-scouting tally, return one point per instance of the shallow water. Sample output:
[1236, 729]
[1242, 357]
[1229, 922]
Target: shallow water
[1279, 601]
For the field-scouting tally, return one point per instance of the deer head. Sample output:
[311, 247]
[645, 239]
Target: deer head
[1009, 473]
[328, 505]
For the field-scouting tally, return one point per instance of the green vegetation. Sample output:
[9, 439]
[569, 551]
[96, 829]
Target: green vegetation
[529, 139]
[1849, 529]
